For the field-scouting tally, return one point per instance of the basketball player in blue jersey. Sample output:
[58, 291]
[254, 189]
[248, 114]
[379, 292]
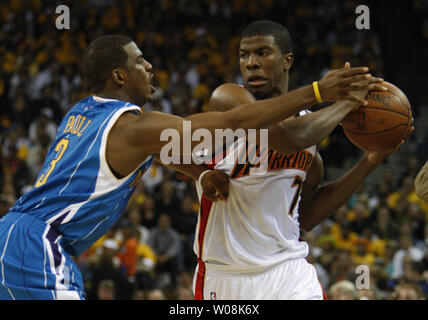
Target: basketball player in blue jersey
[248, 247]
[103, 146]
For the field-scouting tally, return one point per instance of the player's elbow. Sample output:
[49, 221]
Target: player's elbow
[421, 185]
[306, 226]
[421, 192]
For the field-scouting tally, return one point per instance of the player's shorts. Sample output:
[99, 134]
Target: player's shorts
[33, 264]
[294, 279]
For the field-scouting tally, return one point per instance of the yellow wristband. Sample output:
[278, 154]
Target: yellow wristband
[317, 91]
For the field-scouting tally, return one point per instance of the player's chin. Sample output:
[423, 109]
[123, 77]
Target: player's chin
[148, 93]
[260, 92]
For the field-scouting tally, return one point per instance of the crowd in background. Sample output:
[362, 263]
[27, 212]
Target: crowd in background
[193, 47]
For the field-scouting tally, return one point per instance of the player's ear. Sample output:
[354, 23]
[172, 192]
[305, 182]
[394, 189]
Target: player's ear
[118, 76]
[288, 59]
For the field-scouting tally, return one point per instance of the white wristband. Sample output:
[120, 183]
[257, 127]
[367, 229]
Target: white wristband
[202, 174]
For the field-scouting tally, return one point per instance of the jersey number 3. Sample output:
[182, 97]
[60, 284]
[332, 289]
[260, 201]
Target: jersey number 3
[60, 149]
[298, 182]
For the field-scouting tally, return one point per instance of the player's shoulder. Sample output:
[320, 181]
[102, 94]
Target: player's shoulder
[228, 96]
[230, 88]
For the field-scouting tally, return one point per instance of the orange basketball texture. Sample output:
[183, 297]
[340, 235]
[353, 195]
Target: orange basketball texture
[383, 123]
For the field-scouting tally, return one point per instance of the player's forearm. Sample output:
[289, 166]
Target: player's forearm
[257, 115]
[264, 113]
[421, 183]
[328, 198]
[299, 133]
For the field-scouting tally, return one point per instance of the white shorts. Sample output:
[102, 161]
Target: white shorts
[291, 280]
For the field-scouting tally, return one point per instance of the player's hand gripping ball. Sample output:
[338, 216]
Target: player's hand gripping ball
[383, 123]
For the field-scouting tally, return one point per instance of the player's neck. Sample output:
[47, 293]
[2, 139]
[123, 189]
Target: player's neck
[117, 95]
[279, 92]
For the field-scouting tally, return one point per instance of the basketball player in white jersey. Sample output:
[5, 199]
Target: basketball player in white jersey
[248, 246]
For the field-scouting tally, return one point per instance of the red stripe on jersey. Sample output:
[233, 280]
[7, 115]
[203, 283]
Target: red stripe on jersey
[217, 158]
[205, 210]
[200, 280]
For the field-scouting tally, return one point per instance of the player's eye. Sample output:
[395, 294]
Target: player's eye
[263, 53]
[243, 55]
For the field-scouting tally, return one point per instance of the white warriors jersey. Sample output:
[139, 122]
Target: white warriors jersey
[257, 227]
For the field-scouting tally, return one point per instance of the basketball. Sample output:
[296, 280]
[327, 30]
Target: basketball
[383, 123]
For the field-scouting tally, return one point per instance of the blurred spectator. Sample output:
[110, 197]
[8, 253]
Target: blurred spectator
[48, 102]
[150, 216]
[15, 171]
[359, 217]
[146, 263]
[106, 290]
[183, 293]
[326, 243]
[134, 216]
[405, 193]
[38, 150]
[16, 137]
[165, 242]
[20, 112]
[156, 294]
[166, 200]
[408, 291]
[385, 227]
[343, 290]
[153, 177]
[345, 236]
[184, 221]
[138, 295]
[417, 221]
[43, 121]
[406, 249]
[361, 256]
[128, 249]
[413, 166]
[105, 265]
[342, 266]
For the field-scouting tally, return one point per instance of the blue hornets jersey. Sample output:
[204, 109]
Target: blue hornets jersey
[76, 192]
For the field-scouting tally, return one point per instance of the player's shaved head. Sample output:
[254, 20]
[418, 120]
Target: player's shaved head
[269, 28]
[101, 57]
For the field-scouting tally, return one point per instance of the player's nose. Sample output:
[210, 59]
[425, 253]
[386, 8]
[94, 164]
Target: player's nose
[252, 61]
[148, 66]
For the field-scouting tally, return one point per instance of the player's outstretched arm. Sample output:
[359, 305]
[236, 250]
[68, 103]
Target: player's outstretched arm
[141, 134]
[296, 133]
[318, 202]
[336, 85]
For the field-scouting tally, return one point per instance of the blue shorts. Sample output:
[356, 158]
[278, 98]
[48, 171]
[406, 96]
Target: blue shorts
[33, 264]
